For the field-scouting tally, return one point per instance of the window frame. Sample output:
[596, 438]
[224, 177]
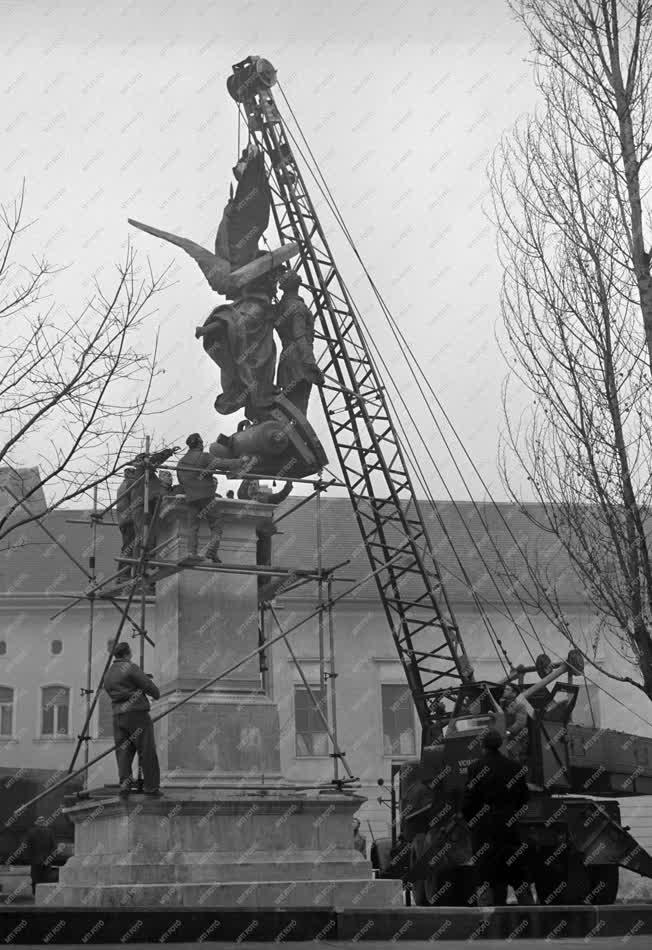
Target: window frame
[316, 689]
[398, 755]
[104, 696]
[55, 735]
[4, 736]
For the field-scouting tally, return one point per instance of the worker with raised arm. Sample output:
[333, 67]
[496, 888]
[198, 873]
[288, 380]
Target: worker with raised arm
[195, 472]
[133, 730]
[145, 468]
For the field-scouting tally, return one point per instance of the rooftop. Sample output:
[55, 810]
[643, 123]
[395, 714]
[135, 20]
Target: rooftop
[487, 545]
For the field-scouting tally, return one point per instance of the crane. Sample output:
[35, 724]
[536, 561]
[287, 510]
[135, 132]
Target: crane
[418, 609]
[372, 460]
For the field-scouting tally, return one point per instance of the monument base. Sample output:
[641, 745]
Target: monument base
[218, 848]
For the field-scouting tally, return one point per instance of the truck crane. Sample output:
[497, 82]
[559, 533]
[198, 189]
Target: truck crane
[572, 820]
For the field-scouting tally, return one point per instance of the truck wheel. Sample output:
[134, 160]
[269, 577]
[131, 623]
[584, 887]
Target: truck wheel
[603, 881]
[562, 882]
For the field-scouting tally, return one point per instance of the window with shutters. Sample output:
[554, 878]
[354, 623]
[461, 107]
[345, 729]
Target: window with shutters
[6, 711]
[399, 735]
[55, 711]
[311, 737]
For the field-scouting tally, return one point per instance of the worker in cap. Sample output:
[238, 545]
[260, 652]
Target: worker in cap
[196, 478]
[496, 792]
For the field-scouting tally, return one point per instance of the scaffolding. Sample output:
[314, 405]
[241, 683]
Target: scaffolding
[146, 569]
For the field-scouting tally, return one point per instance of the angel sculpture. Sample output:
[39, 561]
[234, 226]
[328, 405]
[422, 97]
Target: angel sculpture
[238, 336]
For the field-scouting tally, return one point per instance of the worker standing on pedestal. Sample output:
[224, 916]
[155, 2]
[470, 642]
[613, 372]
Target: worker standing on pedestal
[154, 491]
[133, 730]
[251, 490]
[195, 475]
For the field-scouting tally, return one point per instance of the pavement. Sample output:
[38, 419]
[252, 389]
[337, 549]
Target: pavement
[591, 943]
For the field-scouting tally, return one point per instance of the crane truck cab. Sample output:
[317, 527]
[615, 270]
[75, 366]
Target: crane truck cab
[576, 842]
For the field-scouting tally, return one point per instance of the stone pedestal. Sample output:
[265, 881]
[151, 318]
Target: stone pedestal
[205, 622]
[220, 836]
[218, 849]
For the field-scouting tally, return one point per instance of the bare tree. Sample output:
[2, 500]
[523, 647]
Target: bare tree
[73, 389]
[601, 50]
[571, 304]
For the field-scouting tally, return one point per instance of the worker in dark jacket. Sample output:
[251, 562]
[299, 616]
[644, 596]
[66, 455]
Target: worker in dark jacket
[41, 849]
[155, 489]
[133, 730]
[251, 490]
[496, 790]
[195, 474]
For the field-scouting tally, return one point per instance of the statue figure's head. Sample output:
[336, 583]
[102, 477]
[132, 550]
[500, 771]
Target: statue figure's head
[289, 281]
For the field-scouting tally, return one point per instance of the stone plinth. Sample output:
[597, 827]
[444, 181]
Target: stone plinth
[218, 849]
[220, 837]
[205, 622]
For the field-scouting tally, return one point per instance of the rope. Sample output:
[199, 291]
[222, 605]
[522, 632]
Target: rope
[404, 346]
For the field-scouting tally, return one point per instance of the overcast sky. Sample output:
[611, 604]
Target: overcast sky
[117, 110]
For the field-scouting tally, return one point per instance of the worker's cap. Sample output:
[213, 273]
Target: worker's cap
[122, 651]
[194, 439]
[492, 739]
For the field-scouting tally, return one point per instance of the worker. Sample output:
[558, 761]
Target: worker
[359, 840]
[155, 489]
[42, 848]
[516, 725]
[495, 792]
[133, 731]
[125, 518]
[195, 474]
[251, 490]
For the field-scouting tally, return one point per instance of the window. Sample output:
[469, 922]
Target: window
[311, 737]
[104, 716]
[55, 702]
[6, 711]
[56, 647]
[398, 720]
[3, 647]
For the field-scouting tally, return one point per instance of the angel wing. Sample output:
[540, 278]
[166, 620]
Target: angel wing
[215, 269]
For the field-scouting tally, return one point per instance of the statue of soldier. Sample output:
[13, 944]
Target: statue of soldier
[297, 366]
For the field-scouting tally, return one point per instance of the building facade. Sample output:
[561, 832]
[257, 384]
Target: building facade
[45, 659]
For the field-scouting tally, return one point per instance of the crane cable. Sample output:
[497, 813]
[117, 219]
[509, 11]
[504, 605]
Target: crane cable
[407, 445]
[405, 346]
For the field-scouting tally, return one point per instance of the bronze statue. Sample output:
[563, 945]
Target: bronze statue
[297, 366]
[239, 336]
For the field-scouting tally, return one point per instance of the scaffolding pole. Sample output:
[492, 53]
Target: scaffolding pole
[85, 738]
[337, 754]
[332, 676]
[200, 689]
